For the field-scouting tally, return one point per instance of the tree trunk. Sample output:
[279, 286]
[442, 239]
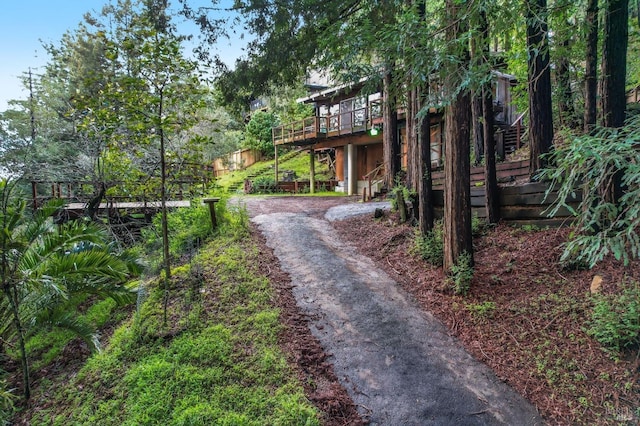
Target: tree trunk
[478, 128]
[163, 206]
[540, 108]
[12, 298]
[457, 191]
[566, 110]
[614, 72]
[476, 102]
[591, 66]
[312, 172]
[425, 188]
[390, 141]
[492, 203]
[490, 176]
[614, 63]
[413, 149]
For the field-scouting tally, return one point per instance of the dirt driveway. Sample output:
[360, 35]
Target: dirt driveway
[397, 362]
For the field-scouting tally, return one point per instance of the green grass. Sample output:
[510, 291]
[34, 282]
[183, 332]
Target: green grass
[47, 346]
[296, 161]
[216, 362]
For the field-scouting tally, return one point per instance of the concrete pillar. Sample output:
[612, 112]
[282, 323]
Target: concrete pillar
[351, 178]
[312, 171]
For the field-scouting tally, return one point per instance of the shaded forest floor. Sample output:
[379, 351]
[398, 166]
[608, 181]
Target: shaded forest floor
[525, 316]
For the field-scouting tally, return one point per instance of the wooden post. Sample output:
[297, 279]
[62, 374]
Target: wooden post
[275, 163]
[312, 171]
[212, 210]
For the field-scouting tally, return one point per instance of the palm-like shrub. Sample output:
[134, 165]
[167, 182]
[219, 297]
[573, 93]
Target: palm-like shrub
[47, 270]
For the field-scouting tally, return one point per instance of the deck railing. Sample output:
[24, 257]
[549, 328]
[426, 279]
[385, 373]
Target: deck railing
[343, 123]
[83, 191]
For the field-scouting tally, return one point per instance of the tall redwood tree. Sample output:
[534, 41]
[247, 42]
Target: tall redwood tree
[591, 66]
[540, 108]
[457, 164]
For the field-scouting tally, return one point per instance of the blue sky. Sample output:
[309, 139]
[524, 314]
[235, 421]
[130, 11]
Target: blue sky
[25, 24]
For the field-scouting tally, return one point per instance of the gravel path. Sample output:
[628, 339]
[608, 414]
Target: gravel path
[397, 362]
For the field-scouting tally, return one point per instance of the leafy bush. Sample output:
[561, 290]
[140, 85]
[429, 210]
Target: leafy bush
[615, 320]
[407, 194]
[478, 226]
[7, 399]
[587, 163]
[461, 274]
[430, 246]
[258, 132]
[188, 229]
[263, 185]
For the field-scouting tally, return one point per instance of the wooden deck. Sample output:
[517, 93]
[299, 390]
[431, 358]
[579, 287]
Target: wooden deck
[312, 129]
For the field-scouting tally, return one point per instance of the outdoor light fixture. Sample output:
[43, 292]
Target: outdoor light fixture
[375, 130]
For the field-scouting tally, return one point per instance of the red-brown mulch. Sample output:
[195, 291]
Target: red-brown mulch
[534, 338]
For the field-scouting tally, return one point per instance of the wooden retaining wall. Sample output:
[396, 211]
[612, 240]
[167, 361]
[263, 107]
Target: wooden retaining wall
[509, 171]
[524, 204]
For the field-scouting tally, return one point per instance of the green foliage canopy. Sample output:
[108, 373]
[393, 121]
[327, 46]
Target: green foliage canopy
[258, 132]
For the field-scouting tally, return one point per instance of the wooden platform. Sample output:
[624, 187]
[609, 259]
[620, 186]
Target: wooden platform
[134, 205]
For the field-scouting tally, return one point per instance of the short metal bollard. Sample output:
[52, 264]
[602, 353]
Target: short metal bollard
[212, 209]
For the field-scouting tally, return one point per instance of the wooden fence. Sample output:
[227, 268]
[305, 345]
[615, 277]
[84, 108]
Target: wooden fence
[293, 187]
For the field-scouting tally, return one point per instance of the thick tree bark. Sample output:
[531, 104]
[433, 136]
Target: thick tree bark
[614, 63]
[490, 176]
[390, 141]
[413, 155]
[457, 188]
[540, 108]
[425, 187]
[457, 201]
[476, 102]
[591, 66]
[614, 73]
[424, 190]
[478, 128]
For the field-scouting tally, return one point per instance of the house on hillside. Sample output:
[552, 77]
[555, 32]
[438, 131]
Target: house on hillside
[348, 123]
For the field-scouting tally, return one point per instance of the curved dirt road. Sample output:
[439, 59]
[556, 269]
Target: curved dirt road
[396, 361]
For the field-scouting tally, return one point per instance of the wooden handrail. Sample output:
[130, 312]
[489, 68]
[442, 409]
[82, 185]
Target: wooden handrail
[73, 191]
[342, 123]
